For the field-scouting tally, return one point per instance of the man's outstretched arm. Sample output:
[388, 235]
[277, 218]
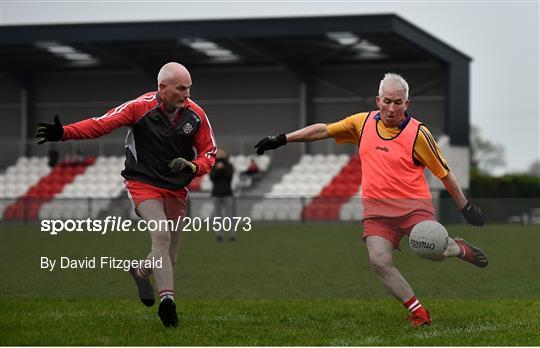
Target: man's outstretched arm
[310, 133]
[452, 186]
[472, 214]
[126, 114]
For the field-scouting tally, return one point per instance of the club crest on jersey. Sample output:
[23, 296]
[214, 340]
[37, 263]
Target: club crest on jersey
[188, 128]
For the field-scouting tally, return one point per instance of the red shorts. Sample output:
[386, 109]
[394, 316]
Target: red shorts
[394, 228]
[174, 201]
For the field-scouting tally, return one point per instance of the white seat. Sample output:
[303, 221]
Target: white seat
[90, 170]
[102, 168]
[318, 158]
[10, 178]
[100, 160]
[306, 159]
[32, 169]
[22, 160]
[80, 179]
[119, 190]
[34, 161]
[101, 177]
[21, 188]
[289, 177]
[21, 170]
[112, 167]
[343, 158]
[331, 158]
[312, 177]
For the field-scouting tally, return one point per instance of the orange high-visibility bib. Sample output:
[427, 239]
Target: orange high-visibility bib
[393, 185]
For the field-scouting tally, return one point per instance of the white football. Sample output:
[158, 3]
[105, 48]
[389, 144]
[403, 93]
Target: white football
[429, 240]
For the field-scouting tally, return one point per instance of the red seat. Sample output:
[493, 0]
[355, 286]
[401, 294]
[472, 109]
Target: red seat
[28, 206]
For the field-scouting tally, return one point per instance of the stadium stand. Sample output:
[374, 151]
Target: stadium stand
[30, 189]
[328, 204]
[317, 188]
[27, 206]
[353, 210]
[18, 179]
[305, 180]
[89, 193]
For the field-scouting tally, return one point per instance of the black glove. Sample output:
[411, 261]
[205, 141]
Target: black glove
[473, 214]
[270, 143]
[180, 164]
[50, 131]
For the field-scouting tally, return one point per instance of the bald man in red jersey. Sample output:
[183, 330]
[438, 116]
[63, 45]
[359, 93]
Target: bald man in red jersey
[169, 142]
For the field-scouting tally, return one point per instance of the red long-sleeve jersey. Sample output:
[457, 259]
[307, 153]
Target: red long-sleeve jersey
[153, 140]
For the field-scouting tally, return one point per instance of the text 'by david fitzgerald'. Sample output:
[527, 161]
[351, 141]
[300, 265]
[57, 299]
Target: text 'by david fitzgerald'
[94, 262]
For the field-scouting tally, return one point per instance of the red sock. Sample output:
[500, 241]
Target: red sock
[462, 251]
[166, 293]
[413, 304]
[144, 272]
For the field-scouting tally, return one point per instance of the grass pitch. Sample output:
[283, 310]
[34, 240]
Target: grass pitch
[277, 285]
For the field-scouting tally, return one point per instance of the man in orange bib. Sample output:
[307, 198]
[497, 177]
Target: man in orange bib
[394, 149]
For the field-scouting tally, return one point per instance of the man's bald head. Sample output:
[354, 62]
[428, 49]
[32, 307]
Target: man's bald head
[173, 72]
[174, 84]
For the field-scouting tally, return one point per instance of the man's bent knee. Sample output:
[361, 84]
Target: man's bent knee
[380, 262]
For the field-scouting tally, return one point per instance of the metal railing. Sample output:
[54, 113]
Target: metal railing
[259, 208]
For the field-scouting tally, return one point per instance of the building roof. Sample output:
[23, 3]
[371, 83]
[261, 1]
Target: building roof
[302, 43]
[299, 44]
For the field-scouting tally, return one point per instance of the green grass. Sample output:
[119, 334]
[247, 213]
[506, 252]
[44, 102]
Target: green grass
[277, 285]
[268, 322]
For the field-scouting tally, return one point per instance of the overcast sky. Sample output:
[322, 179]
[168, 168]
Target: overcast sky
[501, 37]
